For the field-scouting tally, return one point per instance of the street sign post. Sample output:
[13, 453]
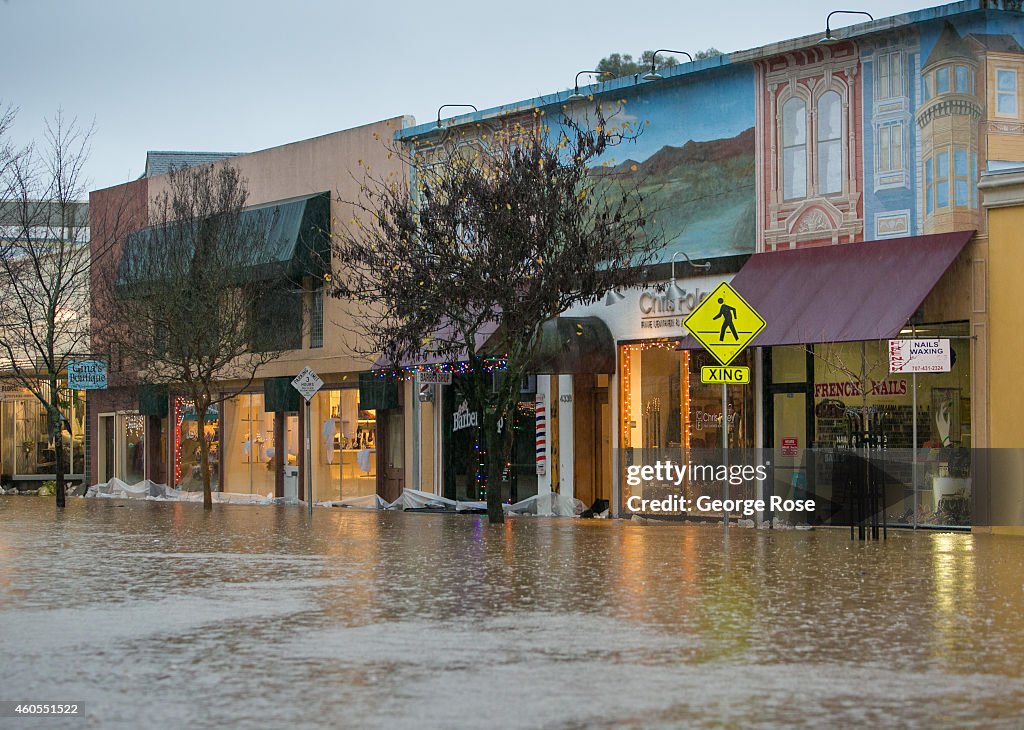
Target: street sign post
[724, 324]
[308, 383]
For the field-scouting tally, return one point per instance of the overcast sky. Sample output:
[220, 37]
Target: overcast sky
[239, 76]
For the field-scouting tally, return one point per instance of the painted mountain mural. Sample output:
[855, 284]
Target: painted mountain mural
[703, 194]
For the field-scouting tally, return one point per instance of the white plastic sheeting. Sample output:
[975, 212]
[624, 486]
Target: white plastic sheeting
[147, 489]
[411, 499]
[560, 505]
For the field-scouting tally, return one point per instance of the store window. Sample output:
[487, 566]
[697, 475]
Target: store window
[28, 447]
[465, 467]
[248, 453]
[852, 387]
[187, 466]
[664, 405]
[344, 446]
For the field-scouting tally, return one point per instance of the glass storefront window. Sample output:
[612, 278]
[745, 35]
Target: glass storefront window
[927, 480]
[27, 447]
[187, 468]
[248, 446]
[344, 438]
[665, 406]
[465, 474]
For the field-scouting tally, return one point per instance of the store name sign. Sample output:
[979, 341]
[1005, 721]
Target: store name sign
[12, 390]
[663, 309]
[435, 377]
[463, 418]
[919, 356]
[850, 389]
[87, 375]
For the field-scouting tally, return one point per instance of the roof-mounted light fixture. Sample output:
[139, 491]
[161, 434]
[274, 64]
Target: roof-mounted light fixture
[653, 74]
[444, 106]
[576, 95]
[828, 39]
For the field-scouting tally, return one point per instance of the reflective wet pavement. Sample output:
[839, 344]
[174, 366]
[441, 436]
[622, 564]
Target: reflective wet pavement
[162, 615]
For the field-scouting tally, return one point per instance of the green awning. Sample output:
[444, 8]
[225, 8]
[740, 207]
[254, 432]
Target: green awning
[153, 400]
[294, 241]
[377, 392]
[279, 395]
[570, 345]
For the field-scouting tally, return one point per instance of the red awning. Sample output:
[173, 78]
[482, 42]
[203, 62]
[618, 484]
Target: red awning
[843, 293]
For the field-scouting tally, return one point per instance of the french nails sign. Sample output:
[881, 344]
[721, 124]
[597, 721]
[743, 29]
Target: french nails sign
[87, 375]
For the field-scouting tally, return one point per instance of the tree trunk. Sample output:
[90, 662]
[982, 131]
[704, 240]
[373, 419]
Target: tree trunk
[495, 469]
[58, 446]
[204, 451]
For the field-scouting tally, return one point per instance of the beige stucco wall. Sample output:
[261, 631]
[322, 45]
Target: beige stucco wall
[332, 163]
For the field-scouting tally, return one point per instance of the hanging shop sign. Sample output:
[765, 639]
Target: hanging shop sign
[724, 323]
[435, 377]
[87, 375]
[919, 356]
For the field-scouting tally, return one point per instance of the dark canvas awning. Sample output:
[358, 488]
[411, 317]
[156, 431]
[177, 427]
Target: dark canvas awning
[574, 345]
[296, 243]
[844, 293]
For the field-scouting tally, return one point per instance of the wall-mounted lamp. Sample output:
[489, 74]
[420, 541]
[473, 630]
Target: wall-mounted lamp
[828, 39]
[444, 106]
[674, 291]
[613, 297]
[653, 75]
[576, 95]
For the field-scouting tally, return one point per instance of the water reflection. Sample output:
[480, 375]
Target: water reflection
[257, 616]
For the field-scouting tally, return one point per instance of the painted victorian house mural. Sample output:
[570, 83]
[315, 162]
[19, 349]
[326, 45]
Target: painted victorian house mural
[810, 186]
[949, 122]
[890, 64]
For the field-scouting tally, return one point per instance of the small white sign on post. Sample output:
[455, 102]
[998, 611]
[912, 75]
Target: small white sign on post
[919, 356]
[307, 383]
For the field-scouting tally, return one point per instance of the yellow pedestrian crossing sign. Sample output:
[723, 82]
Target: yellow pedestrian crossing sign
[724, 323]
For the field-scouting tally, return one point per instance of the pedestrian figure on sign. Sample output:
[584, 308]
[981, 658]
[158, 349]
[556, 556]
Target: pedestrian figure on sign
[726, 313]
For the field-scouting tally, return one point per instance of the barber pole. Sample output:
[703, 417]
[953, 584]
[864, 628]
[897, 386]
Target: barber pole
[542, 436]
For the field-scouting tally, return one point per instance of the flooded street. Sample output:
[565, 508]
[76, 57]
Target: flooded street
[160, 615]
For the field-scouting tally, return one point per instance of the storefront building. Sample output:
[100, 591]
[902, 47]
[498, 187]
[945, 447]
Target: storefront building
[256, 431]
[836, 186]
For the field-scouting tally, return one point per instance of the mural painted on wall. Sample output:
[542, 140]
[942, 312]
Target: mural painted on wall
[810, 174]
[694, 159]
[887, 138]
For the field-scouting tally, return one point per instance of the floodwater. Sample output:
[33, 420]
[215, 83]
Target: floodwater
[162, 615]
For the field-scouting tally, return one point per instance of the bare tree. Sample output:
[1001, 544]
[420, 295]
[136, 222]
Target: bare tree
[44, 267]
[181, 305]
[504, 229]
